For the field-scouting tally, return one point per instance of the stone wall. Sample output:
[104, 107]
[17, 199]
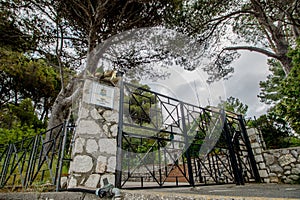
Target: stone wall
[276, 165]
[283, 165]
[94, 150]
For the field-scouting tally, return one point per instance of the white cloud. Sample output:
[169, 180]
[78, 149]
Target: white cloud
[250, 69]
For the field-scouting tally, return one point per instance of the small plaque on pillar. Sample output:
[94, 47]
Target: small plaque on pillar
[102, 95]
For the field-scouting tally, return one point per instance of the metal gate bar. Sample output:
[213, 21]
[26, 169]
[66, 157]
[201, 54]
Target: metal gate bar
[176, 132]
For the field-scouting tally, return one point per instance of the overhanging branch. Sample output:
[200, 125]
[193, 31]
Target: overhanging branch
[67, 102]
[255, 49]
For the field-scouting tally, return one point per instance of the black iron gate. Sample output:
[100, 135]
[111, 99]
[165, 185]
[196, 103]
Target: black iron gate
[36, 161]
[164, 142]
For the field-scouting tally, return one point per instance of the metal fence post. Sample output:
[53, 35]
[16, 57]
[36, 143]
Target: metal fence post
[186, 141]
[249, 149]
[61, 156]
[118, 178]
[5, 165]
[30, 168]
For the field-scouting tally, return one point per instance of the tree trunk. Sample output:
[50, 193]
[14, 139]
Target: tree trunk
[286, 63]
[65, 98]
[61, 107]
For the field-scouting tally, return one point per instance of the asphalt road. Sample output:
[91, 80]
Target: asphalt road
[249, 190]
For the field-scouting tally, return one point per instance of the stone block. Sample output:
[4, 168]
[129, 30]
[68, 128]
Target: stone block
[252, 138]
[106, 129]
[108, 146]
[294, 153]
[114, 130]
[81, 164]
[88, 127]
[251, 131]
[255, 145]
[294, 177]
[258, 151]
[86, 96]
[72, 182]
[111, 164]
[287, 167]
[63, 181]
[276, 168]
[101, 164]
[285, 151]
[83, 113]
[263, 173]
[79, 144]
[266, 180]
[272, 174]
[93, 181]
[95, 114]
[292, 165]
[286, 159]
[91, 146]
[288, 172]
[262, 166]
[259, 158]
[296, 171]
[274, 179]
[276, 154]
[269, 159]
[111, 116]
[288, 181]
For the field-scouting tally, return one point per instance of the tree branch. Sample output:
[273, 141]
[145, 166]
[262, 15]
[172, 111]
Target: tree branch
[224, 17]
[83, 9]
[68, 100]
[58, 50]
[255, 49]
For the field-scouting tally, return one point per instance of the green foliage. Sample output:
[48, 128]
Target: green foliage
[270, 88]
[142, 110]
[11, 36]
[23, 78]
[23, 113]
[275, 130]
[17, 133]
[19, 122]
[140, 103]
[111, 18]
[195, 145]
[282, 121]
[289, 105]
[233, 104]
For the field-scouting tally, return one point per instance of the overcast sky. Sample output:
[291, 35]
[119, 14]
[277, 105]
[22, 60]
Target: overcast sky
[250, 69]
[191, 87]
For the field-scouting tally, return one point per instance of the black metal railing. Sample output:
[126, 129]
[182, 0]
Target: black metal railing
[34, 161]
[165, 142]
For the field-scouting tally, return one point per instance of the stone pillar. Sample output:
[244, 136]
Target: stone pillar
[257, 145]
[94, 150]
